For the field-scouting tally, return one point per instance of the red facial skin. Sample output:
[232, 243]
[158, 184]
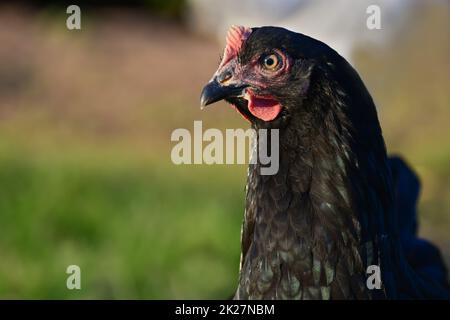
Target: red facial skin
[264, 107]
[261, 105]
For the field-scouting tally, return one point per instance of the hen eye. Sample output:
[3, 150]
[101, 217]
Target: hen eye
[271, 62]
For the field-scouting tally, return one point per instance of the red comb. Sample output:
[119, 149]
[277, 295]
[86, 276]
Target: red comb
[235, 38]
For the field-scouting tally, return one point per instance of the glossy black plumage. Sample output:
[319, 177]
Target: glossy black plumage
[422, 255]
[311, 230]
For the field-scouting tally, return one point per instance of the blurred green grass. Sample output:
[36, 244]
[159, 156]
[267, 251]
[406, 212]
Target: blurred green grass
[136, 231]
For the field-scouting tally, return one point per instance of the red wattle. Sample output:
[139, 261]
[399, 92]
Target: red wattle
[264, 108]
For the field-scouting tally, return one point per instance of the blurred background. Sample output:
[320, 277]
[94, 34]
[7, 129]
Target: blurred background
[85, 123]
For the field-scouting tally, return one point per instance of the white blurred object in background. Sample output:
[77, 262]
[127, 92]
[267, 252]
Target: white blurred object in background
[339, 23]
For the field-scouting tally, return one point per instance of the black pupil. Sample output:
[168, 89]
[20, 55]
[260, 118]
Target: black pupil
[270, 61]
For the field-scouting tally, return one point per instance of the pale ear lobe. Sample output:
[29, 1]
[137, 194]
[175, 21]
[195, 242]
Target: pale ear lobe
[235, 38]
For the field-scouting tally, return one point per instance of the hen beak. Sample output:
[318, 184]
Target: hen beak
[214, 91]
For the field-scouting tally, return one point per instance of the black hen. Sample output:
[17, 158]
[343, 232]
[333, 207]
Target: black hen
[311, 230]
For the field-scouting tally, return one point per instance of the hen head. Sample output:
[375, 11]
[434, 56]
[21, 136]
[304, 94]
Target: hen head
[266, 73]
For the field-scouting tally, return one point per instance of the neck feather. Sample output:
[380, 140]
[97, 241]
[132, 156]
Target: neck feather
[301, 232]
